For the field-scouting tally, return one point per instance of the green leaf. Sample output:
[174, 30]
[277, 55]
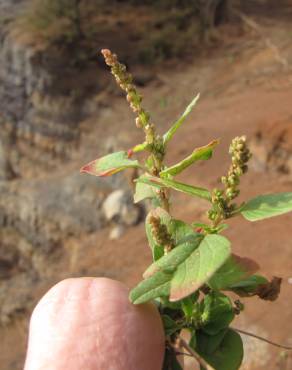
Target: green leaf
[187, 306]
[233, 271]
[208, 344]
[156, 286]
[170, 133]
[171, 261]
[250, 283]
[248, 286]
[217, 313]
[170, 326]
[143, 191]
[228, 355]
[202, 153]
[200, 266]
[266, 206]
[187, 267]
[110, 164]
[193, 340]
[184, 188]
[171, 305]
[140, 147]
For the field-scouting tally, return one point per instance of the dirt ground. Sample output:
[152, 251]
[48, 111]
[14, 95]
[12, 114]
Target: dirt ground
[244, 85]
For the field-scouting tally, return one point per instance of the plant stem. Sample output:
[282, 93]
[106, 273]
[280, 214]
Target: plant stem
[192, 352]
[217, 220]
[158, 165]
[262, 339]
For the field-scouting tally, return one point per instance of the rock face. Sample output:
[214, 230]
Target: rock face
[119, 208]
[44, 200]
[8, 7]
[38, 216]
[272, 147]
[41, 101]
[32, 118]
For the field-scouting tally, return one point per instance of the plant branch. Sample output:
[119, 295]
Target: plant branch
[262, 339]
[192, 352]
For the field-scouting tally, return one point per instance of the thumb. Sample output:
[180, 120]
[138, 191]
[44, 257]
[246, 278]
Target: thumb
[89, 323]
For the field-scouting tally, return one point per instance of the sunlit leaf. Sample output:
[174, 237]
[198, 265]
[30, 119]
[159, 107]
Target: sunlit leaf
[187, 267]
[140, 147]
[170, 133]
[110, 164]
[229, 353]
[266, 206]
[184, 188]
[200, 266]
[171, 261]
[156, 286]
[233, 271]
[143, 191]
[202, 153]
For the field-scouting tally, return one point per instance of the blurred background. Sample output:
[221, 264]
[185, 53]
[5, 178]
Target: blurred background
[60, 108]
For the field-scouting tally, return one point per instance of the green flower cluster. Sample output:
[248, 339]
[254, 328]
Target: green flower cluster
[161, 234]
[221, 199]
[125, 81]
[240, 155]
[154, 143]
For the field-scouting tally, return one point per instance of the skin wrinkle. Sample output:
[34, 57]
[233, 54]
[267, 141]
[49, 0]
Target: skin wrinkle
[90, 324]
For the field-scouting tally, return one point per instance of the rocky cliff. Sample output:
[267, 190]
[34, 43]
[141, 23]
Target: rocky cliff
[44, 200]
[36, 121]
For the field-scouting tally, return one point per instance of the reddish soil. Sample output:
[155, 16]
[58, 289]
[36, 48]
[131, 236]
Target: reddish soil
[242, 86]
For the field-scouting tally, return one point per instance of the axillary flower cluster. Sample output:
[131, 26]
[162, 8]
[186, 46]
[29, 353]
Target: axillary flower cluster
[221, 199]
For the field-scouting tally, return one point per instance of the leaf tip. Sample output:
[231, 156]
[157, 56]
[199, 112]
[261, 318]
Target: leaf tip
[130, 153]
[85, 169]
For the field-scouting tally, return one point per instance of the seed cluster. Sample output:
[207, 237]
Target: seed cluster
[154, 141]
[125, 81]
[240, 155]
[221, 199]
[221, 207]
[161, 234]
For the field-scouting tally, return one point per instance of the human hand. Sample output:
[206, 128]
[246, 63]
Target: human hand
[89, 324]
